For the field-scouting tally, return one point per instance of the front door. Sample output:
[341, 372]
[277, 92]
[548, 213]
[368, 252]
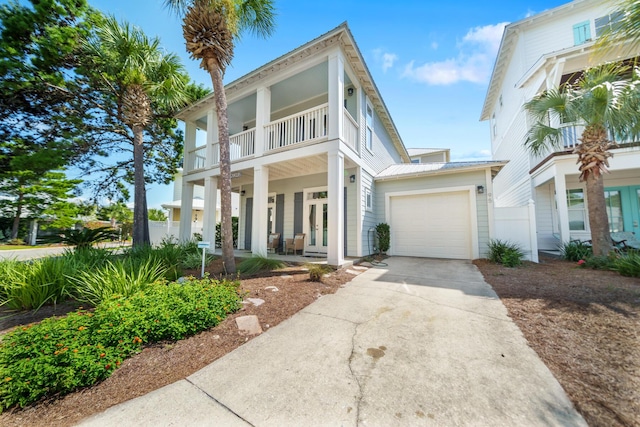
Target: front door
[316, 222]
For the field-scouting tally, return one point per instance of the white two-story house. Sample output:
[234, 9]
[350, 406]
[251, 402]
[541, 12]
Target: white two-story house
[314, 150]
[540, 52]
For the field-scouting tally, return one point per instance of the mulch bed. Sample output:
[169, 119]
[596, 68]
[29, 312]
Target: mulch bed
[164, 363]
[585, 325]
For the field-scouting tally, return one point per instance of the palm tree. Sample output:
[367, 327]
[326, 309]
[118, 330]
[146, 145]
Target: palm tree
[606, 100]
[209, 29]
[625, 30]
[142, 77]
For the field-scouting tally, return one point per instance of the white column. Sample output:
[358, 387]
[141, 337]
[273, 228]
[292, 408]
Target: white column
[189, 145]
[186, 205]
[212, 136]
[335, 218]
[263, 117]
[563, 208]
[336, 95]
[210, 205]
[259, 233]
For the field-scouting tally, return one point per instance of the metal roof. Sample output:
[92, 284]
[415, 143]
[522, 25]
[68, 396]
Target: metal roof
[419, 169]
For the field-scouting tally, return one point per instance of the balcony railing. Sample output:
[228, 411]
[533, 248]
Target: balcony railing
[571, 134]
[350, 131]
[197, 158]
[307, 126]
[298, 128]
[241, 145]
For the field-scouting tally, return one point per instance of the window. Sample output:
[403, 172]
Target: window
[581, 33]
[500, 101]
[613, 202]
[494, 127]
[608, 23]
[415, 160]
[577, 211]
[369, 142]
[368, 199]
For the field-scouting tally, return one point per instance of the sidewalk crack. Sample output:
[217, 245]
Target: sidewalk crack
[353, 374]
[218, 402]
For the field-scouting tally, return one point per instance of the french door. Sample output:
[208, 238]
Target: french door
[316, 224]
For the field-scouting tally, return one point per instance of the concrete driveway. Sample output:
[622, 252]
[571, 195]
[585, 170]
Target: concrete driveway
[420, 342]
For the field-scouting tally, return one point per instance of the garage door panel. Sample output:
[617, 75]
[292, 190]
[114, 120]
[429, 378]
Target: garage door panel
[431, 225]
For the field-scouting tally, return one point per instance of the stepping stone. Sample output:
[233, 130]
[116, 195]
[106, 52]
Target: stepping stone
[286, 276]
[354, 272]
[256, 301]
[273, 288]
[357, 267]
[248, 325]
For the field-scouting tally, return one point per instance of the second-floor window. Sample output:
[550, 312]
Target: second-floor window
[369, 141]
[581, 33]
[607, 23]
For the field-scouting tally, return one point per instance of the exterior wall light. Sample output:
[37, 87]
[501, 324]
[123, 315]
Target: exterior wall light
[352, 178]
[480, 189]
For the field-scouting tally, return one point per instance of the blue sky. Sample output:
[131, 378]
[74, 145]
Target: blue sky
[430, 60]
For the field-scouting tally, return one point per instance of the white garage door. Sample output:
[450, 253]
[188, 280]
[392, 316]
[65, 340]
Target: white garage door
[435, 225]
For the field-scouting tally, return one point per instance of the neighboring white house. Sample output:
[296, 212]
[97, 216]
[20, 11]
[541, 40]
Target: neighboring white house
[429, 155]
[314, 150]
[540, 52]
[197, 208]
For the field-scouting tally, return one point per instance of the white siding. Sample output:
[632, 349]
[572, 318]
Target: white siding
[384, 152]
[369, 218]
[545, 213]
[549, 32]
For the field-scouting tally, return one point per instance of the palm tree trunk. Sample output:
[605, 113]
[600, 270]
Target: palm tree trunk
[140, 220]
[225, 166]
[598, 220]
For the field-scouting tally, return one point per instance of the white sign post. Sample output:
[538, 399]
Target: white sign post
[204, 246]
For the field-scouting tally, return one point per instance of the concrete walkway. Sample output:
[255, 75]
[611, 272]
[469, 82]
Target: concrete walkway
[421, 342]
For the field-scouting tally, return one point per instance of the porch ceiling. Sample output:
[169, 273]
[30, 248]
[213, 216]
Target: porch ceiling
[289, 169]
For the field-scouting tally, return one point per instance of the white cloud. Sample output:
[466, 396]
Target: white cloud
[434, 45]
[474, 62]
[385, 59]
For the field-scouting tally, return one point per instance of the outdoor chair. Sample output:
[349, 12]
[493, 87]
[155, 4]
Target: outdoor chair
[296, 244]
[625, 240]
[274, 242]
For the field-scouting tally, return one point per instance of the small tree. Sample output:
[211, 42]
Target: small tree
[157, 215]
[383, 232]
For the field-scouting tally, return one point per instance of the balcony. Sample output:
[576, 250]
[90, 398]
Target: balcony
[306, 127]
[570, 135]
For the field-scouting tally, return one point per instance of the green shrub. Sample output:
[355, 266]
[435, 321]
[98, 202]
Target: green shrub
[383, 233]
[316, 271]
[575, 251]
[84, 238]
[505, 253]
[234, 232]
[628, 264]
[599, 262]
[257, 263]
[59, 355]
[30, 285]
[118, 277]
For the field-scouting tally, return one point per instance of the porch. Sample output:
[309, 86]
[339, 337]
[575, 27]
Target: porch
[297, 130]
[319, 102]
[562, 205]
[293, 259]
